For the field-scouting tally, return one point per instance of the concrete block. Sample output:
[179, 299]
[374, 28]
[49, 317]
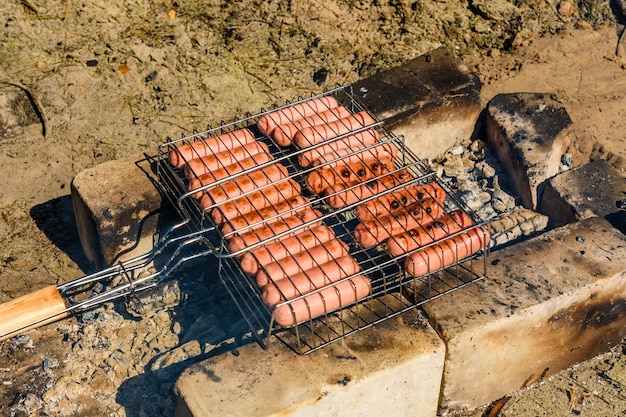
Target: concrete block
[529, 132]
[391, 369]
[592, 190]
[547, 303]
[116, 205]
[433, 100]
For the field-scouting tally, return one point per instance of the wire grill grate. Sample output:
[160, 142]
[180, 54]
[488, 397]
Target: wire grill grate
[392, 290]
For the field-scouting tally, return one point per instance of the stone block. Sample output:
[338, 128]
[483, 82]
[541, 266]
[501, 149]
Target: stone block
[529, 132]
[433, 100]
[116, 205]
[547, 303]
[391, 369]
[593, 190]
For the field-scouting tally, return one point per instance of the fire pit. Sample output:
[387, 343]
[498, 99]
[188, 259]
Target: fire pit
[320, 231]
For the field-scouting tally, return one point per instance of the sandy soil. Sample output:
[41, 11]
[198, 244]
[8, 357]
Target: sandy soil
[102, 80]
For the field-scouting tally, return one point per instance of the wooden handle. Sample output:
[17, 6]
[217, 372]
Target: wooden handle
[29, 309]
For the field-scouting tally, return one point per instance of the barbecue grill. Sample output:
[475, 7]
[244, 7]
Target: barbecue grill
[392, 290]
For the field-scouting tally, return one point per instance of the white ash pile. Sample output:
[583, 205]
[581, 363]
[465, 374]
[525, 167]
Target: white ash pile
[471, 168]
[122, 359]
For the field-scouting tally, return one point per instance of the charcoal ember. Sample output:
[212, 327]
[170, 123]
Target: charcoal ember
[148, 303]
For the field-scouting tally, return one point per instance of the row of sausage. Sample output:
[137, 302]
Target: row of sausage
[302, 276]
[357, 167]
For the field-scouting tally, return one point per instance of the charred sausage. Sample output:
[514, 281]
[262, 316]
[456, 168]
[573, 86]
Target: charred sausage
[340, 195]
[390, 203]
[446, 252]
[324, 177]
[373, 232]
[446, 225]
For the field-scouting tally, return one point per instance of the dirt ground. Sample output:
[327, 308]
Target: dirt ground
[98, 80]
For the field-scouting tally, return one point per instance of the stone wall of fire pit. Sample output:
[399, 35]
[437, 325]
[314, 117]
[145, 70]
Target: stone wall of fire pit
[484, 151]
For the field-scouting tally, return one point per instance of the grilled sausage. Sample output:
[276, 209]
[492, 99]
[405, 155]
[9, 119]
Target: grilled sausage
[255, 200]
[301, 261]
[290, 246]
[303, 282]
[315, 134]
[239, 185]
[348, 156]
[446, 252]
[324, 177]
[284, 133]
[196, 169]
[222, 159]
[336, 296]
[208, 146]
[268, 122]
[258, 218]
[340, 195]
[390, 203]
[373, 232]
[450, 223]
[241, 241]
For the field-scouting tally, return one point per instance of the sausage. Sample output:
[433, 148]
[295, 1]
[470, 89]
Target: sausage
[211, 145]
[197, 169]
[243, 240]
[274, 251]
[207, 178]
[339, 295]
[284, 133]
[390, 203]
[239, 185]
[303, 282]
[310, 136]
[340, 196]
[257, 218]
[446, 252]
[324, 177]
[450, 223]
[358, 140]
[255, 200]
[341, 156]
[373, 232]
[222, 159]
[301, 261]
[268, 122]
